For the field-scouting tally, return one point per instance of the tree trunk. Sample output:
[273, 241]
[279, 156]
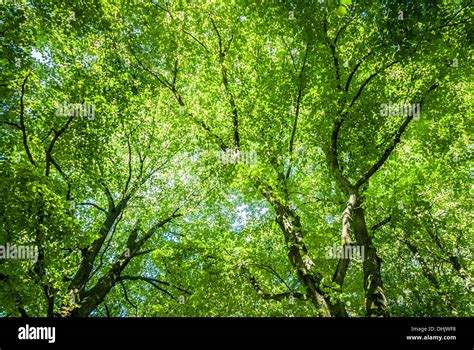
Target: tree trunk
[375, 301]
[304, 266]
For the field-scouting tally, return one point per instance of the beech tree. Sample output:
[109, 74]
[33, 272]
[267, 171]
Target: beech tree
[181, 158]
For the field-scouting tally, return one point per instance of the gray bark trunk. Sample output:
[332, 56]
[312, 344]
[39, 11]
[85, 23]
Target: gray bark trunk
[375, 301]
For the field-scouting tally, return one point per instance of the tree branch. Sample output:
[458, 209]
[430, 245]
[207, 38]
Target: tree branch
[12, 124]
[95, 206]
[126, 294]
[447, 23]
[391, 147]
[196, 39]
[332, 48]
[298, 103]
[161, 79]
[225, 81]
[429, 275]
[154, 282]
[22, 121]
[107, 312]
[271, 270]
[22, 312]
[333, 159]
[367, 81]
[381, 223]
[109, 196]
[129, 178]
[56, 136]
[268, 296]
[341, 30]
[180, 101]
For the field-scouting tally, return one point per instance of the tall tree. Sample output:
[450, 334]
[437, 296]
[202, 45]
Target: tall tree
[221, 155]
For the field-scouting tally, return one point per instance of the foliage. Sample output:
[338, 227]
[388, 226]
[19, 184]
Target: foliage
[118, 119]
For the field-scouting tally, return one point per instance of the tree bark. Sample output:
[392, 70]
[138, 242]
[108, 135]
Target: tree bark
[462, 272]
[375, 301]
[430, 276]
[90, 299]
[346, 240]
[290, 225]
[96, 295]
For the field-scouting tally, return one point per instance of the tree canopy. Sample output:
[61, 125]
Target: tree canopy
[221, 158]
